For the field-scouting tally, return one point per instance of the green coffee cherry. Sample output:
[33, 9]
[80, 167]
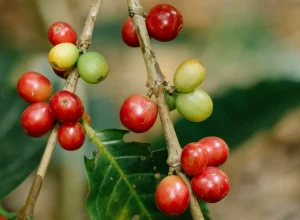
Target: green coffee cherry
[195, 106]
[171, 100]
[189, 75]
[92, 67]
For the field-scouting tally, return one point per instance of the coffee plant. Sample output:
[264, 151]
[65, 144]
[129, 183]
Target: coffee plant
[127, 180]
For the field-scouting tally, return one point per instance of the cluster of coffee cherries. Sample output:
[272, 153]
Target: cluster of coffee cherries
[92, 66]
[39, 117]
[209, 183]
[63, 106]
[138, 112]
[164, 23]
[191, 102]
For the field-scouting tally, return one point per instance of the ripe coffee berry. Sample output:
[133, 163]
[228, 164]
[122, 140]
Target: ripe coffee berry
[66, 107]
[217, 150]
[34, 87]
[172, 196]
[164, 22]
[61, 32]
[194, 158]
[2, 218]
[37, 120]
[138, 113]
[211, 185]
[129, 35]
[71, 136]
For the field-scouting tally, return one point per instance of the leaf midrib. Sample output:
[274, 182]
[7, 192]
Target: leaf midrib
[104, 150]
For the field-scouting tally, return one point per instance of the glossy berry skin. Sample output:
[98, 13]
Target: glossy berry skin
[63, 56]
[128, 33]
[2, 218]
[34, 87]
[138, 113]
[195, 106]
[92, 67]
[37, 120]
[172, 196]
[71, 136]
[189, 75]
[61, 32]
[194, 158]
[164, 22]
[217, 150]
[66, 107]
[211, 185]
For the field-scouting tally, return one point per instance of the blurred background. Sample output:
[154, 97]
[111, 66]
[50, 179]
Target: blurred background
[251, 51]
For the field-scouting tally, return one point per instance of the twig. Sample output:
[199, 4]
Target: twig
[194, 205]
[156, 83]
[70, 85]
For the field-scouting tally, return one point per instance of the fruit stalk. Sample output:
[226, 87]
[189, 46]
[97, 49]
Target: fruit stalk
[70, 85]
[194, 205]
[156, 83]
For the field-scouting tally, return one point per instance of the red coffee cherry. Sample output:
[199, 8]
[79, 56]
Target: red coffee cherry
[71, 136]
[211, 185]
[61, 32]
[66, 107]
[217, 150]
[37, 120]
[194, 158]
[138, 113]
[129, 35]
[164, 22]
[172, 195]
[34, 87]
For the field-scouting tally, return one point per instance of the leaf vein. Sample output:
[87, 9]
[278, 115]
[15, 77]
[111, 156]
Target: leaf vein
[104, 178]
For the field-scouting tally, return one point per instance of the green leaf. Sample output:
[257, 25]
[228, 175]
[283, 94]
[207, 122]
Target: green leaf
[241, 112]
[123, 178]
[20, 154]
